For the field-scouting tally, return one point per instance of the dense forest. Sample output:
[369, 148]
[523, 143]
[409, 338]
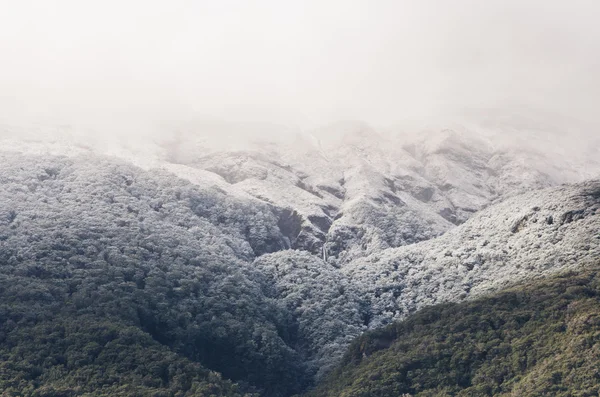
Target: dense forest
[120, 281]
[299, 198]
[97, 255]
[533, 340]
[69, 355]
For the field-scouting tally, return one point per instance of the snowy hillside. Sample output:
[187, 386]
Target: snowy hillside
[527, 236]
[357, 190]
[281, 252]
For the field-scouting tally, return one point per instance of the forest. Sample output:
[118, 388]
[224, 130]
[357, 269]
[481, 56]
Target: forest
[541, 339]
[116, 281]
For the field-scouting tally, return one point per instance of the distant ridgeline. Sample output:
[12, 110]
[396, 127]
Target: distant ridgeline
[534, 340]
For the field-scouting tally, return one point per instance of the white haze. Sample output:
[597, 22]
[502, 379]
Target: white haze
[304, 63]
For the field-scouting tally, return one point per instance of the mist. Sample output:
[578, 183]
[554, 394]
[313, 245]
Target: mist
[120, 64]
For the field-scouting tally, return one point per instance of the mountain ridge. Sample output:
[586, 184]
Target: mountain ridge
[264, 264]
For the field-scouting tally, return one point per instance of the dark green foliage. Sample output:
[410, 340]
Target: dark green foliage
[101, 240]
[120, 282]
[540, 340]
[70, 356]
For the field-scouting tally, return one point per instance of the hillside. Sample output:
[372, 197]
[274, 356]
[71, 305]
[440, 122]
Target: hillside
[527, 236]
[252, 270]
[350, 189]
[533, 340]
[98, 247]
[299, 198]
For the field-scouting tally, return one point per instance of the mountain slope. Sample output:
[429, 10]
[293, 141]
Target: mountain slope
[349, 189]
[265, 261]
[207, 272]
[327, 307]
[68, 355]
[534, 340]
[358, 190]
[508, 242]
[529, 235]
[97, 238]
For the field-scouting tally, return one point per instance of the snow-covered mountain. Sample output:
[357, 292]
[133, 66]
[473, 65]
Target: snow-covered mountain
[357, 191]
[527, 236]
[523, 237]
[289, 245]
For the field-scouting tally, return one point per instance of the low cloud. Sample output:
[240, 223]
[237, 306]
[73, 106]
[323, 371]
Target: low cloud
[301, 64]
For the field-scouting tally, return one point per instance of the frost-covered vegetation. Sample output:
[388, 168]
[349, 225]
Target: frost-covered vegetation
[227, 273]
[357, 191]
[99, 239]
[328, 308]
[526, 236]
[533, 340]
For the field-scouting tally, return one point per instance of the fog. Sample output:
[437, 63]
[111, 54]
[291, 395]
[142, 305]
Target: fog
[301, 63]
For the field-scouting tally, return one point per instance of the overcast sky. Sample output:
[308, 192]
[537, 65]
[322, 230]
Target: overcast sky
[299, 61]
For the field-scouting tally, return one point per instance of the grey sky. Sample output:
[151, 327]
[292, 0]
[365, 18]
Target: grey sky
[296, 61]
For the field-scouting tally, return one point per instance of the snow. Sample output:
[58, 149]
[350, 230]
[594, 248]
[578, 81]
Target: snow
[380, 222]
[526, 236]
